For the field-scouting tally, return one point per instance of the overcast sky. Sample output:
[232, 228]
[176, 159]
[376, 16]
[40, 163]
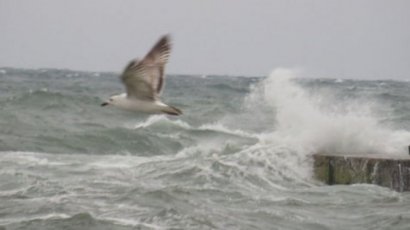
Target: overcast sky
[321, 38]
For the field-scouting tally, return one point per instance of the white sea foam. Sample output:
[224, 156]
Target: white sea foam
[155, 119]
[7, 221]
[221, 128]
[304, 125]
[215, 126]
[133, 222]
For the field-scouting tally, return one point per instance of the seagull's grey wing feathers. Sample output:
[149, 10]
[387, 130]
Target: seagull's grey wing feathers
[144, 79]
[155, 62]
[135, 81]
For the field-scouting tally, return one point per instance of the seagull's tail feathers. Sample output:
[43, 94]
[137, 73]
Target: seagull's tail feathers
[171, 110]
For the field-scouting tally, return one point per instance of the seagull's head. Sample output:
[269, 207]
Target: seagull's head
[113, 100]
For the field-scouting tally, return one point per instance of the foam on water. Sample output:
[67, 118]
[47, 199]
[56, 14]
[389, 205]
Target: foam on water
[303, 123]
[157, 119]
[215, 126]
[219, 127]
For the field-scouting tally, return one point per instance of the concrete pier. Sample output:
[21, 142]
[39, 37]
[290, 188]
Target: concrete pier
[393, 173]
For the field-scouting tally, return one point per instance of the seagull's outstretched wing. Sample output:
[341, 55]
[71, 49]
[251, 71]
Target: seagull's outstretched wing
[145, 79]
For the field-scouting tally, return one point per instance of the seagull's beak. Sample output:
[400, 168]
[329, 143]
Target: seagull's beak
[104, 104]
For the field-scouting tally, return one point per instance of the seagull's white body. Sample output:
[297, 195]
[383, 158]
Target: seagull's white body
[144, 81]
[145, 106]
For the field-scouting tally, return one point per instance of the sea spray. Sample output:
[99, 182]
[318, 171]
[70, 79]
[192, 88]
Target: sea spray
[304, 123]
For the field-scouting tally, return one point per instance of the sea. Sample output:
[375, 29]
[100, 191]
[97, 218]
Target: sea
[240, 157]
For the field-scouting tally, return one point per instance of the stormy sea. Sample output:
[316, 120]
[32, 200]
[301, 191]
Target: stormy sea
[238, 158]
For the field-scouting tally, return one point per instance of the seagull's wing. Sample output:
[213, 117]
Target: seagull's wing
[144, 79]
[155, 62]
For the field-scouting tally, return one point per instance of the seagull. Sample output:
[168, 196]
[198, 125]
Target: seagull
[144, 81]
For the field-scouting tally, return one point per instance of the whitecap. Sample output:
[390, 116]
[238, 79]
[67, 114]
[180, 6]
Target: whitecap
[303, 123]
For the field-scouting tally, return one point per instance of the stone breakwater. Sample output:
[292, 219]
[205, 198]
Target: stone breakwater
[393, 173]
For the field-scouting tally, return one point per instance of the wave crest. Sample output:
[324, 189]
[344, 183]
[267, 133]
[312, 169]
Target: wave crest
[307, 120]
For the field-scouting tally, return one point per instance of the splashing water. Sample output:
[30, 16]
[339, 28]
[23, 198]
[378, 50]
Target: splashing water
[307, 124]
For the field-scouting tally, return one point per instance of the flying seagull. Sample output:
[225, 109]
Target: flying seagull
[144, 80]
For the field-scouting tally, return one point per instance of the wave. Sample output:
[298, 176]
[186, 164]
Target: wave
[279, 112]
[163, 122]
[75, 221]
[314, 123]
[46, 99]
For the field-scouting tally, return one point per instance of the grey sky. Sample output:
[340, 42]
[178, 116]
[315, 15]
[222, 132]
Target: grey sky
[322, 38]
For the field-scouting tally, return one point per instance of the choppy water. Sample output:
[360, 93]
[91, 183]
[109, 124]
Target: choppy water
[237, 159]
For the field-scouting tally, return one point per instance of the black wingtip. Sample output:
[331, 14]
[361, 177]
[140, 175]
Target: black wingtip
[171, 110]
[166, 37]
[164, 41]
